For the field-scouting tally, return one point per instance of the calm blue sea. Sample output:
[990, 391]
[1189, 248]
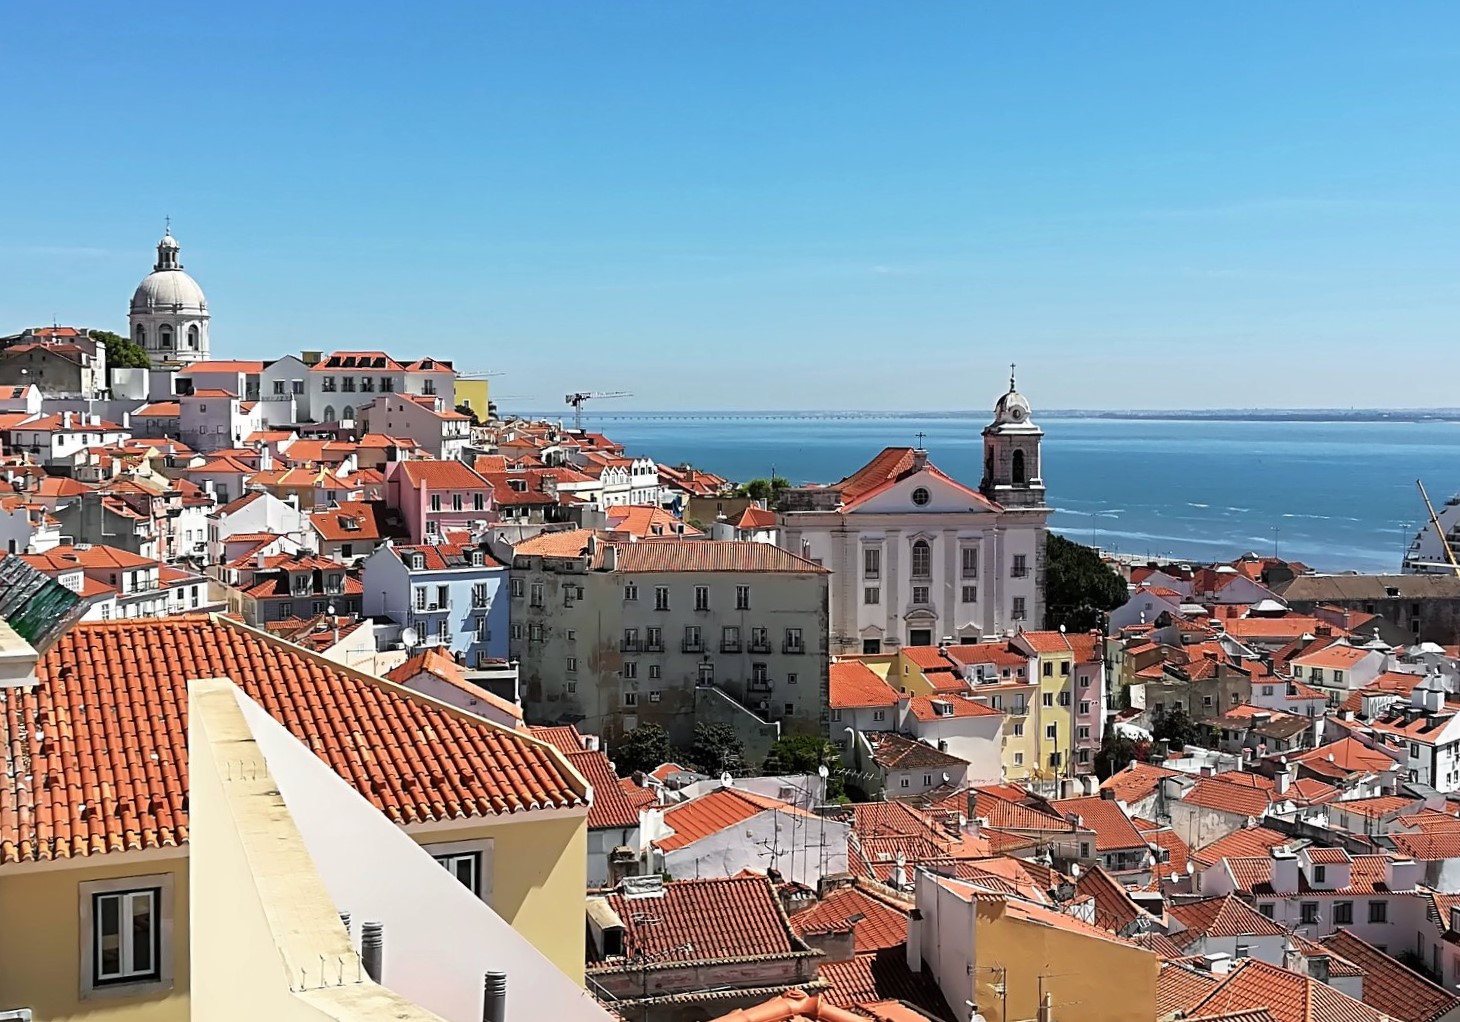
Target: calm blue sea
[1336, 495]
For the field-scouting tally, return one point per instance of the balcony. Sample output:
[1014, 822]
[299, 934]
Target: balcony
[629, 646]
[761, 685]
[759, 646]
[692, 646]
[654, 646]
[730, 647]
[795, 648]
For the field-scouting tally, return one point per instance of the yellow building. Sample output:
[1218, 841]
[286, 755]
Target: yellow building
[473, 394]
[1007, 955]
[95, 829]
[1069, 670]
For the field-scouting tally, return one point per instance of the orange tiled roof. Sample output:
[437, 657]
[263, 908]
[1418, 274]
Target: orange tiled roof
[1113, 828]
[1336, 656]
[1428, 836]
[695, 920]
[882, 975]
[222, 366]
[854, 684]
[756, 518]
[563, 543]
[702, 555]
[1290, 997]
[1389, 985]
[441, 475]
[1226, 916]
[644, 521]
[961, 705]
[1229, 796]
[332, 524]
[1243, 843]
[713, 812]
[117, 780]
[70, 558]
[442, 667]
[1136, 781]
[1180, 987]
[883, 923]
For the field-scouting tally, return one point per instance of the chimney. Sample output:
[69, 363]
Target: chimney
[372, 948]
[1284, 870]
[261, 560]
[494, 997]
[1401, 874]
[1218, 963]
[1282, 778]
[65, 420]
[610, 557]
[1107, 794]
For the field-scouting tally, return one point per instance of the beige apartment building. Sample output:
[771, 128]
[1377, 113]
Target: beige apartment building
[673, 632]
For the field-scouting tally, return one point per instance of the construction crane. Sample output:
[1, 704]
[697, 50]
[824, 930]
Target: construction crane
[1439, 530]
[478, 374]
[576, 400]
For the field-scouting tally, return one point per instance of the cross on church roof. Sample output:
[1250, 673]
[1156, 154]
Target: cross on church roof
[921, 437]
[1011, 377]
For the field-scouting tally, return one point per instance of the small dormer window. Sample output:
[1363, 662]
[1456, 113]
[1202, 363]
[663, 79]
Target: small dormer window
[418, 562]
[477, 559]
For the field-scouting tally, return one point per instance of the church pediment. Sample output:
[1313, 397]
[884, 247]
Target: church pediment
[927, 491]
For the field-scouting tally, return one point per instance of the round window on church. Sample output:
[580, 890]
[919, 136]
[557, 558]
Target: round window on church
[1016, 414]
[920, 496]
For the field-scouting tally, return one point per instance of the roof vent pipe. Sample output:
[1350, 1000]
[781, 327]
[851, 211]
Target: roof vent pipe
[494, 998]
[372, 948]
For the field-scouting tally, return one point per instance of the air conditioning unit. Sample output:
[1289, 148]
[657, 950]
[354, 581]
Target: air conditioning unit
[15, 1015]
[433, 607]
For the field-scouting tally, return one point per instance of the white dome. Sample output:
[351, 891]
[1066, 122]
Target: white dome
[169, 291]
[1012, 407]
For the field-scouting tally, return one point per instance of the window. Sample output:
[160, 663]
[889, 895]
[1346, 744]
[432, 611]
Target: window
[1308, 912]
[630, 642]
[1084, 733]
[127, 926]
[1206, 700]
[653, 695]
[1343, 913]
[922, 559]
[969, 561]
[456, 502]
[1048, 671]
[1065, 698]
[1265, 907]
[631, 699]
[759, 674]
[871, 595]
[1018, 759]
[691, 639]
[1048, 699]
[435, 502]
[631, 669]
[1378, 911]
[836, 716]
[1019, 730]
[920, 594]
[654, 640]
[653, 672]
[1084, 849]
[906, 782]
[730, 639]
[969, 594]
[1320, 874]
[872, 563]
[1064, 668]
[791, 679]
[1020, 567]
[571, 665]
[1338, 677]
[518, 631]
[420, 597]
[1052, 731]
[661, 597]
[790, 710]
[1084, 707]
[536, 600]
[702, 597]
[879, 715]
[793, 641]
[1019, 614]
[742, 597]
[631, 592]
[479, 594]
[279, 388]
[519, 588]
[478, 501]
[468, 861]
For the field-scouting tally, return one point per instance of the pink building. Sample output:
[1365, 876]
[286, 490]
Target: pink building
[433, 496]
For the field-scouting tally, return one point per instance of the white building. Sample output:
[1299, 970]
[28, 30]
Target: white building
[433, 425]
[169, 315]
[916, 556]
[213, 420]
[57, 439]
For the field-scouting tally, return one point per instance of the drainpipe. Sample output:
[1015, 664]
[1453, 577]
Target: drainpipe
[372, 948]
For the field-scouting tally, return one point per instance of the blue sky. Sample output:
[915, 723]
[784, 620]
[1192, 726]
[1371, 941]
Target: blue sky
[765, 205]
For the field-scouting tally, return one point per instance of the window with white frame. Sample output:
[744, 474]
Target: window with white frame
[922, 559]
[871, 595]
[970, 594]
[969, 556]
[920, 594]
[468, 861]
[742, 597]
[702, 597]
[872, 563]
[126, 930]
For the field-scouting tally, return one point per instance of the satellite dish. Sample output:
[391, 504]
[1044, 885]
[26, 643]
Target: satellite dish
[330, 610]
[409, 636]
[726, 780]
[945, 777]
[822, 772]
[1190, 867]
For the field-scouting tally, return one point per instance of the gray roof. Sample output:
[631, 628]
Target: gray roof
[1348, 588]
[39, 608]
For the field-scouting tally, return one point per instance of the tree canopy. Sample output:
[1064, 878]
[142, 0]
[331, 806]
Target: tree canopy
[763, 489]
[803, 754]
[1116, 752]
[718, 749]
[1079, 588]
[121, 352]
[642, 749]
[1177, 727]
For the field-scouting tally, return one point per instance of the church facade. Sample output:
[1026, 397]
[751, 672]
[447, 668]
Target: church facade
[917, 557]
[168, 316]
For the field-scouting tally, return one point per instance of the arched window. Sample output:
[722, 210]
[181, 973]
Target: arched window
[193, 336]
[1018, 469]
[329, 413]
[347, 414]
[922, 559]
[141, 335]
[164, 336]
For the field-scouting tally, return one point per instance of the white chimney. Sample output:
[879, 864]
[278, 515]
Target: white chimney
[65, 420]
[1283, 778]
[1284, 870]
[1401, 874]
[610, 557]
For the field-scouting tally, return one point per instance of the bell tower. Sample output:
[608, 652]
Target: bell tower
[1012, 469]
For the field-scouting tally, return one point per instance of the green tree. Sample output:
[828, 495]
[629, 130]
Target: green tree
[465, 409]
[1116, 752]
[763, 489]
[643, 748]
[803, 754]
[121, 352]
[718, 749]
[1079, 588]
[1176, 727]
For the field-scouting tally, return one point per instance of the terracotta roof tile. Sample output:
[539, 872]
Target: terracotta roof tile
[1246, 842]
[879, 976]
[713, 812]
[1113, 828]
[883, 923]
[707, 555]
[1136, 781]
[854, 684]
[957, 705]
[1389, 985]
[560, 543]
[1227, 916]
[699, 920]
[441, 475]
[117, 780]
[1290, 997]
[442, 667]
[1179, 987]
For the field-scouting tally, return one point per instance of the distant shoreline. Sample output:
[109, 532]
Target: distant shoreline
[1400, 415]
